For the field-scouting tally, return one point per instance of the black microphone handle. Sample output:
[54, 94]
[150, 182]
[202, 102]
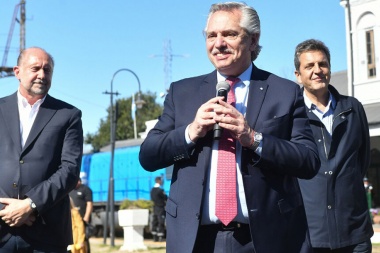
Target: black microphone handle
[217, 129]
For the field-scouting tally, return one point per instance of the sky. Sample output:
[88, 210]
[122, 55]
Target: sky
[91, 40]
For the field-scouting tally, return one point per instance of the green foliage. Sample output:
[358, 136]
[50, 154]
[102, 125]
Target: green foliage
[136, 204]
[124, 126]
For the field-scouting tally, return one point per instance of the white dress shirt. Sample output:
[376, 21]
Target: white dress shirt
[208, 213]
[27, 115]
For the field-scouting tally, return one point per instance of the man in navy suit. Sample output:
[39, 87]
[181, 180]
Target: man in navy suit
[274, 147]
[40, 153]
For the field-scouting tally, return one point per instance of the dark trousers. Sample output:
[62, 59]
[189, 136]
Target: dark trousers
[364, 247]
[15, 244]
[216, 239]
[158, 224]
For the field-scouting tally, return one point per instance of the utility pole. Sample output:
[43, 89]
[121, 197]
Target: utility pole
[4, 70]
[168, 58]
[22, 25]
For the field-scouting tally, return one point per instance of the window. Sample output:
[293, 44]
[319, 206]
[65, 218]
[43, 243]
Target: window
[370, 45]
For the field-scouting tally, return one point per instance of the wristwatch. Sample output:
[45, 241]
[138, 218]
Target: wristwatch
[257, 137]
[32, 205]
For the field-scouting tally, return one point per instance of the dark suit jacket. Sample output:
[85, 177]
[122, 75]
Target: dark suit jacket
[45, 170]
[276, 213]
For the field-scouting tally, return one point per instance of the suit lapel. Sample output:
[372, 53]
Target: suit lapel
[257, 90]
[208, 87]
[207, 91]
[9, 110]
[45, 113]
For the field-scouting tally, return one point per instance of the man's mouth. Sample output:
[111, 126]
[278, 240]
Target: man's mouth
[39, 82]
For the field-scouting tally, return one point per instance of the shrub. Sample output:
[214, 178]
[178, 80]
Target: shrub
[136, 204]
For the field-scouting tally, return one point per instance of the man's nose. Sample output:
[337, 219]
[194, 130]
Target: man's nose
[317, 68]
[220, 41]
[41, 74]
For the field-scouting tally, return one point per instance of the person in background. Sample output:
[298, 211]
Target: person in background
[159, 197]
[40, 152]
[82, 198]
[79, 231]
[237, 191]
[368, 189]
[335, 199]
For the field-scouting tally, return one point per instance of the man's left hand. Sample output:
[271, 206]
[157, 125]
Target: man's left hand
[232, 120]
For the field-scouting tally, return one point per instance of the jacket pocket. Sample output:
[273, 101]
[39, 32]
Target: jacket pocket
[290, 203]
[276, 121]
[171, 208]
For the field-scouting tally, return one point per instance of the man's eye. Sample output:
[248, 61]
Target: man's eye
[210, 36]
[232, 35]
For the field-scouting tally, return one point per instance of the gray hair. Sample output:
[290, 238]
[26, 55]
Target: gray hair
[250, 20]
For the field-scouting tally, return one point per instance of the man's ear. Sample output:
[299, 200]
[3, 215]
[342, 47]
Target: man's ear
[254, 41]
[298, 76]
[16, 70]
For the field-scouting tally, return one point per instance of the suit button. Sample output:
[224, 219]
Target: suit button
[21, 161]
[14, 185]
[328, 207]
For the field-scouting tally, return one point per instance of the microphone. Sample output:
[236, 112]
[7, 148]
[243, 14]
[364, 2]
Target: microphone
[222, 89]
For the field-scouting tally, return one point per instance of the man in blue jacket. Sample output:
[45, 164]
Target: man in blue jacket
[335, 199]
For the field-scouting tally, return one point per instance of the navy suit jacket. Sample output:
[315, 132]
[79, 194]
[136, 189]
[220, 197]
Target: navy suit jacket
[276, 213]
[46, 169]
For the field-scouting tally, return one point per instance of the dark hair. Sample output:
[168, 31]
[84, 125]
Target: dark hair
[310, 45]
[250, 20]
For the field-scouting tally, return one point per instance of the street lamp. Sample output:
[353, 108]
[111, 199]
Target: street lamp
[138, 103]
[111, 188]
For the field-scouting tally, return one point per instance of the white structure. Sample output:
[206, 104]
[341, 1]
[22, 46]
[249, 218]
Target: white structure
[363, 54]
[362, 19]
[133, 222]
[149, 125]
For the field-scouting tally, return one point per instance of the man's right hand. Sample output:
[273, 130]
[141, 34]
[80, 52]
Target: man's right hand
[204, 119]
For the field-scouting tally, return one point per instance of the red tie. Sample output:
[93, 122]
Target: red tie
[226, 200]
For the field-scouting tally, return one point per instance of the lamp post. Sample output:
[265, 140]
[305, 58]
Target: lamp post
[111, 188]
[138, 103]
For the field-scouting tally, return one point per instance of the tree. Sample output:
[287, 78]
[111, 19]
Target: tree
[124, 127]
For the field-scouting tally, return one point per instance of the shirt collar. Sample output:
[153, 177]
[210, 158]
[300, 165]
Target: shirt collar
[22, 100]
[310, 105]
[245, 77]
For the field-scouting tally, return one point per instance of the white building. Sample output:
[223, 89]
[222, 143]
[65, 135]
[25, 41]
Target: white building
[362, 19]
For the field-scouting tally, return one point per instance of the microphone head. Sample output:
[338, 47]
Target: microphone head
[223, 85]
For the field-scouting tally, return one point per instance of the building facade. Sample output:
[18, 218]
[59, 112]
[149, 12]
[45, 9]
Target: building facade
[362, 18]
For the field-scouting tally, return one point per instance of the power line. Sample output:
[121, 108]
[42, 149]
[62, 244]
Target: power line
[77, 98]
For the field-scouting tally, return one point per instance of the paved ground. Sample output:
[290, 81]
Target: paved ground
[98, 246]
